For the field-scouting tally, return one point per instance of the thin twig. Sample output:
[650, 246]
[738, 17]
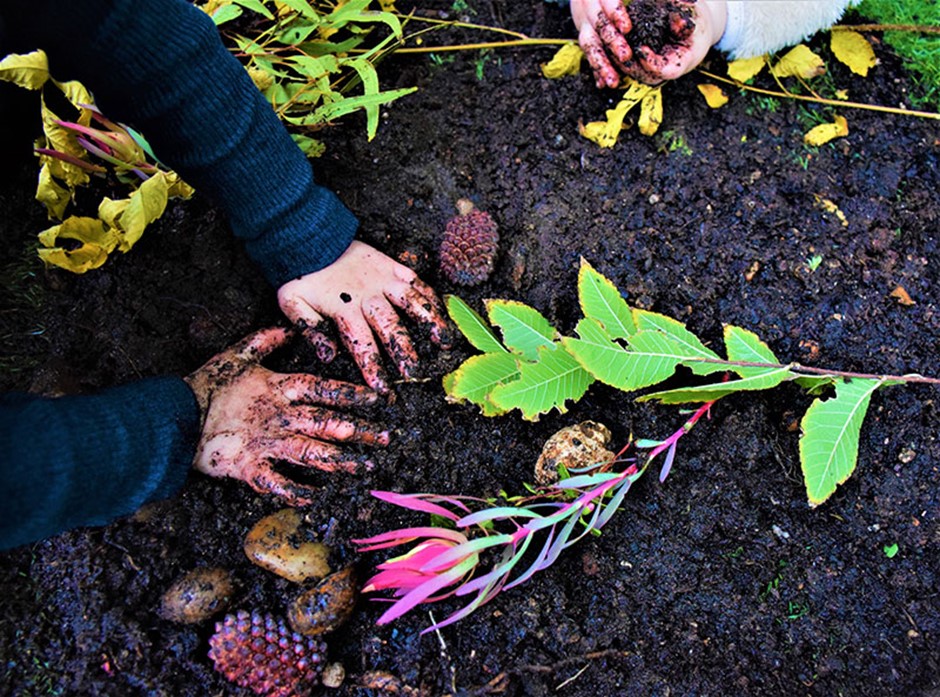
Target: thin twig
[916, 28]
[830, 102]
[797, 367]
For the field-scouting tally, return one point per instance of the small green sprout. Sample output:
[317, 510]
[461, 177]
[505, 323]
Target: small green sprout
[891, 550]
[814, 261]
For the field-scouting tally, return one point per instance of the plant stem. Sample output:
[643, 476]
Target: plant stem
[820, 100]
[916, 28]
[486, 44]
[796, 367]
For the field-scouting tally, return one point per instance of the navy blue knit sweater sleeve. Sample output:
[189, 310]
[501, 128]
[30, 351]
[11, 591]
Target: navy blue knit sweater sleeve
[87, 460]
[160, 66]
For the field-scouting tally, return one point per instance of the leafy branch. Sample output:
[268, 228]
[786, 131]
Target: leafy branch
[534, 369]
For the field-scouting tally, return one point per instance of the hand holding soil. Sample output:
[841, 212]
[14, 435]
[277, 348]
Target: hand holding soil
[358, 292]
[663, 40]
[253, 417]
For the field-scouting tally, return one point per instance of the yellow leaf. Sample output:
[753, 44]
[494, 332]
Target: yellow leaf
[825, 132]
[903, 297]
[651, 112]
[830, 207]
[48, 192]
[567, 61]
[605, 133]
[145, 205]
[96, 243]
[110, 210]
[387, 5]
[261, 78]
[853, 49]
[61, 139]
[30, 70]
[714, 95]
[744, 69]
[842, 94]
[177, 188]
[799, 61]
[76, 93]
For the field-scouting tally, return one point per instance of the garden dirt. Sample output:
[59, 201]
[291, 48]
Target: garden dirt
[720, 581]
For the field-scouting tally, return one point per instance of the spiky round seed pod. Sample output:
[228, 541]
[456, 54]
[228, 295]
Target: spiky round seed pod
[468, 249]
[260, 652]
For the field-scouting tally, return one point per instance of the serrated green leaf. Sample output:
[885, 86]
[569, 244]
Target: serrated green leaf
[226, 13]
[546, 384]
[829, 444]
[524, 328]
[708, 393]
[472, 325]
[650, 359]
[690, 345]
[478, 376]
[746, 347]
[600, 300]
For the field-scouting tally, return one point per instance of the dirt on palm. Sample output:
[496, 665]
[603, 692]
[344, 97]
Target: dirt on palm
[719, 581]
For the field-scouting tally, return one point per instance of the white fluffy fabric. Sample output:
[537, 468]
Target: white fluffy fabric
[756, 27]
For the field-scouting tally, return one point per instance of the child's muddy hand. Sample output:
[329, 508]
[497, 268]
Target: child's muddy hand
[360, 292]
[253, 417]
[602, 28]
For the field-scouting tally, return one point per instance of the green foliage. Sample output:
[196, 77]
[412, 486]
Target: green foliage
[535, 370]
[920, 51]
[310, 56]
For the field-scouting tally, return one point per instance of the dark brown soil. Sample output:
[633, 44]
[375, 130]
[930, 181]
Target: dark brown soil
[658, 24]
[720, 581]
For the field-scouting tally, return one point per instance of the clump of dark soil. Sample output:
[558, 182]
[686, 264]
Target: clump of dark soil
[657, 24]
[720, 581]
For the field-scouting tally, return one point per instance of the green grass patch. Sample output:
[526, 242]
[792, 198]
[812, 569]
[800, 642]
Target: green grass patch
[920, 51]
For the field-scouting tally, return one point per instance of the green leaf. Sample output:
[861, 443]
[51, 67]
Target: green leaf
[29, 70]
[347, 105]
[691, 345]
[600, 300]
[478, 376]
[524, 328]
[815, 385]
[708, 393]
[310, 146]
[829, 444]
[303, 8]
[472, 325]
[746, 347]
[650, 359]
[226, 13]
[255, 6]
[544, 385]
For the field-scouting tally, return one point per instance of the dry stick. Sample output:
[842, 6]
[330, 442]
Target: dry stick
[909, 378]
[821, 100]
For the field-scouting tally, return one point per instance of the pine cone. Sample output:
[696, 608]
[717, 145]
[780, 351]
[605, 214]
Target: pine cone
[260, 652]
[468, 249]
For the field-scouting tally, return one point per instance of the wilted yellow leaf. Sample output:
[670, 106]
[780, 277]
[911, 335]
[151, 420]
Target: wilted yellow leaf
[145, 205]
[842, 94]
[605, 133]
[744, 69]
[825, 132]
[387, 5]
[177, 188]
[566, 61]
[110, 211]
[831, 207]
[853, 49]
[799, 61]
[651, 112]
[29, 70]
[50, 194]
[63, 140]
[78, 95]
[714, 95]
[96, 243]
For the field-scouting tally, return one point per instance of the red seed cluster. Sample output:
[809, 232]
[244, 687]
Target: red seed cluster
[260, 652]
[468, 249]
